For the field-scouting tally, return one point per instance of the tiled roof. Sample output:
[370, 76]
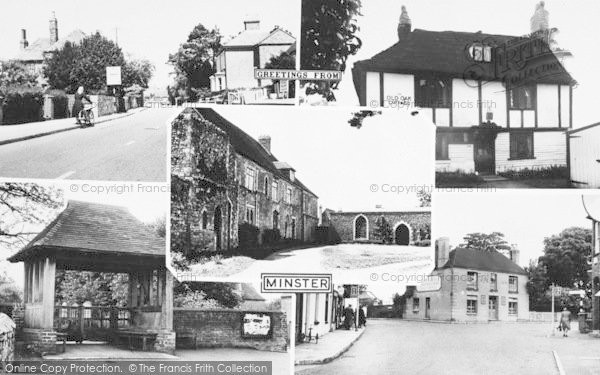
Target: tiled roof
[445, 52]
[95, 228]
[247, 146]
[250, 38]
[479, 260]
[35, 51]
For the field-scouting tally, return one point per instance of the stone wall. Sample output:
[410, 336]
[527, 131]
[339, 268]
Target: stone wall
[222, 328]
[419, 223]
[39, 340]
[7, 339]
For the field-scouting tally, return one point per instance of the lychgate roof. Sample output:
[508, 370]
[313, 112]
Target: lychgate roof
[95, 228]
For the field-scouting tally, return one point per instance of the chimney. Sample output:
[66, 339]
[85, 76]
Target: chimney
[252, 23]
[514, 254]
[404, 24]
[442, 251]
[540, 19]
[265, 142]
[53, 28]
[24, 43]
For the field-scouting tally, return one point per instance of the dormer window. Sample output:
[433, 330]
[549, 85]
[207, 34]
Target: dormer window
[480, 52]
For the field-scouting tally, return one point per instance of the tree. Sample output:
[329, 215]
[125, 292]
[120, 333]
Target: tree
[358, 117]
[328, 37]
[285, 60]
[194, 61]
[13, 73]
[23, 209]
[206, 294]
[101, 289]
[486, 242]
[566, 257]
[383, 230]
[58, 67]
[424, 198]
[137, 73]
[9, 291]
[85, 64]
[537, 287]
[159, 226]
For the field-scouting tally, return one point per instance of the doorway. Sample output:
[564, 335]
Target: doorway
[484, 150]
[427, 307]
[493, 307]
[402, 235]
[299, 316]
[218, 225]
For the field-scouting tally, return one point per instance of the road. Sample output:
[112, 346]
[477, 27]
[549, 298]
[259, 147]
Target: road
[404, 347]
[132, 148]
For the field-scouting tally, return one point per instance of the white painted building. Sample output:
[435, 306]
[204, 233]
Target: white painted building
[499, 102]
[584, 156]
[250, 49]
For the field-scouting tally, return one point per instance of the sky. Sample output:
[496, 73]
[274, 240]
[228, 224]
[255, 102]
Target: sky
[576, 21]
[147, 202]
[339, 163]
[525, 217]
[148, 29]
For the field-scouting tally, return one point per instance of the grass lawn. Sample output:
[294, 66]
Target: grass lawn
[548, 183]
[222, 267]
[365, 256]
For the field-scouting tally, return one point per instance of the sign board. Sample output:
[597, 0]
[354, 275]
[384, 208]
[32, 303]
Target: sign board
[256, 325]
[295, 283]
[113, 75]
[304, 75]
[430, 283]
[284, 87]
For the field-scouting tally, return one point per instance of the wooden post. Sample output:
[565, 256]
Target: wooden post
[48, 278]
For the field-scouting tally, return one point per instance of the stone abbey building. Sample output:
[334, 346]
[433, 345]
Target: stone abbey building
[223, 179]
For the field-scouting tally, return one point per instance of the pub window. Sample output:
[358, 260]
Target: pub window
[432, 92]
[493, 282]
[288, 195]
[250, 178]
[471, 305]
[513, 307]
[471, 280]
[415, 305]
[443, 140]
[522, 97]
[521, 145]
[513, 284]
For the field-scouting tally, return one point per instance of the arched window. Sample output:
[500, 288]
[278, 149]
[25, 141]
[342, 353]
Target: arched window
[275, 219]
[204, 220]
[266, 190]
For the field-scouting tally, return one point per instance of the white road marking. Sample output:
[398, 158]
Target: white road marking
[129, 143]
[63, 176]
[559, 365]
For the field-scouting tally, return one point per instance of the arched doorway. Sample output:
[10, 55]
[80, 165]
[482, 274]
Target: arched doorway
[402, 235]
[218, 225]
[361, 228]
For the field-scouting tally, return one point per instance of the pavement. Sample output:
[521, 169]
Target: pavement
[495, 181]
[85, 351]
[413, 260]
[394, 346]
[23, 132]
[126, 148]
[281, 362]
[329, 347]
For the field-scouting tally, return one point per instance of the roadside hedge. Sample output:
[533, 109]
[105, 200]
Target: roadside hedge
[248, 236]
[21, 106]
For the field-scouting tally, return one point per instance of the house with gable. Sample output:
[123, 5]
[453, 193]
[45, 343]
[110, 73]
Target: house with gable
[499, 102]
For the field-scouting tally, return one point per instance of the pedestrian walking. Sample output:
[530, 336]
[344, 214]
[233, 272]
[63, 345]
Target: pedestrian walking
[348, 317]
[362, 318]
[565, 321]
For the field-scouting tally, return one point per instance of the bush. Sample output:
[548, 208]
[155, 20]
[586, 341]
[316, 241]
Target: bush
[327, 235]
[22, 105]
[554, 171]
[423, 243]
[451, 178]
[271, 236]
[248, 236]
[61, 105]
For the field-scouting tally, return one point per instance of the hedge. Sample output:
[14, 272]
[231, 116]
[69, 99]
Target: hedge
[327, 235]
[271, 236]
[22, 106]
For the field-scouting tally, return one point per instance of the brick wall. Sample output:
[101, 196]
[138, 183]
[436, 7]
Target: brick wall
[40, 340]
[223, 329]
[343, 222]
